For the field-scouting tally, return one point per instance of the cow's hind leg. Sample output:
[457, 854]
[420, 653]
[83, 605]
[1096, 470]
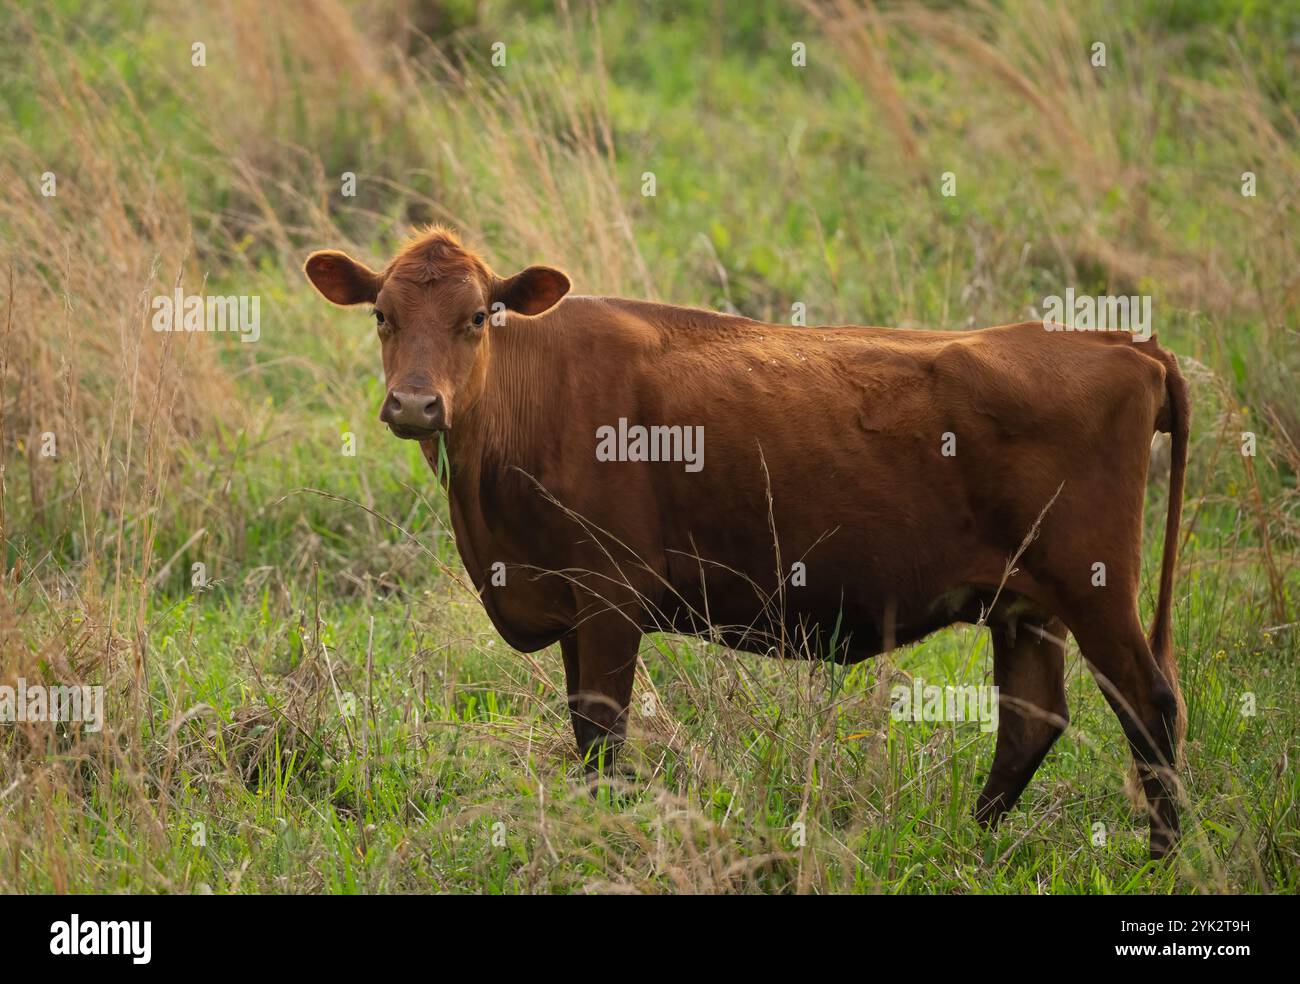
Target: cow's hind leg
[1120, 658]
[1029, 671]
[599, 667]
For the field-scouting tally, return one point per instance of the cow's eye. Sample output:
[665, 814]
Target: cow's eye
[479, 318]
[379, 316]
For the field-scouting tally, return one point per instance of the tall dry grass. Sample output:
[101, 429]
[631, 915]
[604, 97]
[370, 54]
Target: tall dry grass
[1031, 93]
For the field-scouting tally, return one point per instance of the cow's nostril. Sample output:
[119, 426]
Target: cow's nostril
[410, 410]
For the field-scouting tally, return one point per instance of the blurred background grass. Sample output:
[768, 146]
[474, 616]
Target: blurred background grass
[252, 707]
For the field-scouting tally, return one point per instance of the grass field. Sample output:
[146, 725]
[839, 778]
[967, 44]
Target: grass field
[323, 706]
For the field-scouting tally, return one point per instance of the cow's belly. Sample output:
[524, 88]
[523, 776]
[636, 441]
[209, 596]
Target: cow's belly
[839, 605]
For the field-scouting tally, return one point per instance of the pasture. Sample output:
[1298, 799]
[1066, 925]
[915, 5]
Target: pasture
[302, 693]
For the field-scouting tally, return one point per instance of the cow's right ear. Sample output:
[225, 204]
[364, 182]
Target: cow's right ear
[341, 278]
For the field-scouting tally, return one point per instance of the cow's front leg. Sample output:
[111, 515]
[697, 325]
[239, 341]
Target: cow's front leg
[599, 665]
[1029, 671]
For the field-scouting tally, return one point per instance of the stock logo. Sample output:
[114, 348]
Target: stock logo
[655, 443]
[1102, 313]
[37, 702]
[239, 314]
[935, 704]
[102, 938]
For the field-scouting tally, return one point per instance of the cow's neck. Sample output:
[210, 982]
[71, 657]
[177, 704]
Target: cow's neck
[495, 450]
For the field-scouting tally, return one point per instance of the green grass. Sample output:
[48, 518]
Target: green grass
[308, 774]
[333, 707]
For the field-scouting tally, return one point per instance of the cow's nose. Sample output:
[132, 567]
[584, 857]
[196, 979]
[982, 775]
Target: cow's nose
[413, 411]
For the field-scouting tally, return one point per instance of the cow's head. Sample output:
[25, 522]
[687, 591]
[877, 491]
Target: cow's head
[434, 305]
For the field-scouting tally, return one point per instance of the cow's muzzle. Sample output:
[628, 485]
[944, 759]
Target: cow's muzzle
[414, 416]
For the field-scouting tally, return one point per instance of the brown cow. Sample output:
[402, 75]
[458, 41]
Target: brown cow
[903, 469]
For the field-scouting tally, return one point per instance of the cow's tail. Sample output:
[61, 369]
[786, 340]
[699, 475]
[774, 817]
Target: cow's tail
[1175, 419]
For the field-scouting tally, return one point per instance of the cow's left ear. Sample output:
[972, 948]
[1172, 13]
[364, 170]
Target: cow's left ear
[532, 290]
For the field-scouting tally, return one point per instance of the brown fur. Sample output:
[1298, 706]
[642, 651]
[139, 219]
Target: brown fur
[822, 445]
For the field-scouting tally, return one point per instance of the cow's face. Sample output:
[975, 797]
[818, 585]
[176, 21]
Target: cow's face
[434, 307]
